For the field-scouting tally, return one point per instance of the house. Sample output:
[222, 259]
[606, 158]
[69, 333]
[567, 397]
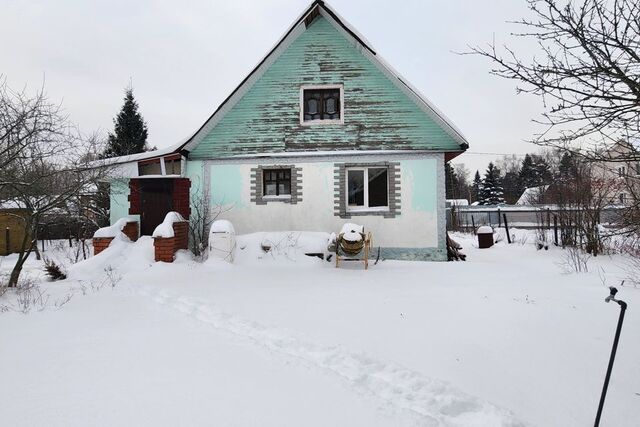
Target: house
[621, 167]
[321, 132]
[532, 196]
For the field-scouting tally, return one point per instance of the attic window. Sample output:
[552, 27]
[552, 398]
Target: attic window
[321, 104]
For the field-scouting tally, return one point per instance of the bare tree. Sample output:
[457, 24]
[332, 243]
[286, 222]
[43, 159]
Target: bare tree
[203, 214]
[45, 163]
[588, 71]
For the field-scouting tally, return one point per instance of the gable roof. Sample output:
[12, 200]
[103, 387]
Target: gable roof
[321, 8]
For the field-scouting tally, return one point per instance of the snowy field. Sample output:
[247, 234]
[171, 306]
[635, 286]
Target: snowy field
[504, 339]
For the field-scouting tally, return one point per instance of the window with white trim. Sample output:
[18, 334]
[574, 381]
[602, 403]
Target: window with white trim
[321, 104]
[367, 189]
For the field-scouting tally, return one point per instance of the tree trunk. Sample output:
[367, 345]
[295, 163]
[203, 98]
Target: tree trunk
[17, 269]
[25, 251]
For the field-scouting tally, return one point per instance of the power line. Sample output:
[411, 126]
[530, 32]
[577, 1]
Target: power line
[494, 154]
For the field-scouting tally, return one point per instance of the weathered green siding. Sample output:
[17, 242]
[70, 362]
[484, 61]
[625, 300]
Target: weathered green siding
[377, 114]
[118, 201]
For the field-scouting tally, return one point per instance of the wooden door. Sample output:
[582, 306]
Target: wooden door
[156, 202]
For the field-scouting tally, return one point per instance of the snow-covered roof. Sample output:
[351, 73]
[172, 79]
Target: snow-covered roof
[175, 148]
[457, 202]
[319, 7]
[531, 195]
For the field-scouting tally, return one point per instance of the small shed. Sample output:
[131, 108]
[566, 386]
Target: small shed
[12, 229]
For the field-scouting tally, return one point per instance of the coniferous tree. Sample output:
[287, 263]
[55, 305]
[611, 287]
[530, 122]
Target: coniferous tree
[130, 130]
[542, 170]
[527, 175]
[451, 182]
[492, 191]
[511, 187]
[476, 187]
[567, 169]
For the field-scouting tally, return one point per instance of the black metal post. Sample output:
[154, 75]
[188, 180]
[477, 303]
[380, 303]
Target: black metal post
[506, 228]
[623, 308]
[7, 236]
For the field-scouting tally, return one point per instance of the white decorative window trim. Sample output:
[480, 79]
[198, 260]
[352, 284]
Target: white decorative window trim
[304, 122]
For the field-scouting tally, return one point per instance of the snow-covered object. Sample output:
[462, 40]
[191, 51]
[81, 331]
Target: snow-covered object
[113, 230]
[349, 226]
[222, 240]
[352, 236]
[166, 228]
[457, 202]
[352, 232]
[532, 195]
[485, 229]
[222, 226]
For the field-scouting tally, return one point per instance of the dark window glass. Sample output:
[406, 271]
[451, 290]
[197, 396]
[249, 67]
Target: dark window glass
[321, 104]
[378, 192]
[277, 182]
[355, 185]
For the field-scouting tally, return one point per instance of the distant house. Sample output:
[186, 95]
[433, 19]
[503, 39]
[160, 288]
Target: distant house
[534, 196]
[621, 172]
[322, 131]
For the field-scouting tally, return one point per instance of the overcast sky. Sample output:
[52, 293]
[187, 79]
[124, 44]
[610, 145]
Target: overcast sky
[185, 57]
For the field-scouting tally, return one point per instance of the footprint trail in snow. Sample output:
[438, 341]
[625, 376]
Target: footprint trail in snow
[432, 402]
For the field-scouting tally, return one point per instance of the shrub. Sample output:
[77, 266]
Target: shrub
[53, 270]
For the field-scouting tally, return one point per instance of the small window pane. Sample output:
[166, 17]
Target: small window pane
[321, 104]
[355, 186]
[378, 191]
[270, 189]
[277, 182]
[312, 106]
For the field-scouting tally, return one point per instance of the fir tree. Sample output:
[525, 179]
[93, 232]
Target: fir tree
[527, 175]
[511, 187]
[542, 170]
[492, 192]
[476, 187]
[451, 182]
[535, 171]
[567, 169]
[130, 130]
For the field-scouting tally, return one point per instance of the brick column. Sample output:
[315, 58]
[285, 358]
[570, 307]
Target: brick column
[166, 247]
[132, 230]
[100, 244]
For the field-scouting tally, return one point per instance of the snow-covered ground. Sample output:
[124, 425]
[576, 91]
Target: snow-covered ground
[504, 339]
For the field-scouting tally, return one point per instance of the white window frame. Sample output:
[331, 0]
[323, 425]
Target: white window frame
[365, 207]
[318, 121]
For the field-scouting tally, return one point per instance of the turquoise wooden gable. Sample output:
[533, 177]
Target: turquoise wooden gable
[379, 113]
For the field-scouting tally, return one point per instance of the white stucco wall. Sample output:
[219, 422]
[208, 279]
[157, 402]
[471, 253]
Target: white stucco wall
[420, 223]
